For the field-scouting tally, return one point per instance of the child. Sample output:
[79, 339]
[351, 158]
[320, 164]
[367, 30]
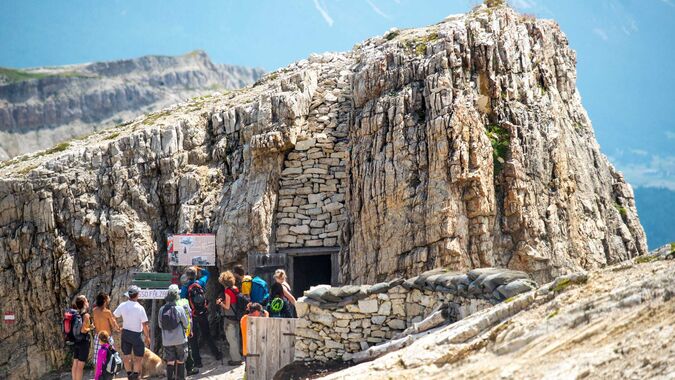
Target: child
[101, 355]
[254, 310]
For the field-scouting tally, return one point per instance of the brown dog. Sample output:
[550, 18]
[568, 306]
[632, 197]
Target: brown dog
[153, 365]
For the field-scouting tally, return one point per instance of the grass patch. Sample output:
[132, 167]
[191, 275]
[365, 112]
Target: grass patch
[14, 75]
[17, 75]
[672, 248]
[553, 313]
[646, 259]
[27, 169]
[510, 299]
[620, 209]
[391, 35]
[494, 3]
[561, 285]
[112, 136]
[153, 117]
[419, 44]
[499, 139]
[421, 49]
[58, 148]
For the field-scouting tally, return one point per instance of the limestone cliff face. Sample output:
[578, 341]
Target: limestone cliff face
[44, 106]
[463, 145]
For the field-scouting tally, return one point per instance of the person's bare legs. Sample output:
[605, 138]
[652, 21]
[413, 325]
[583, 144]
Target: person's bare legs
[78, 370]
[127, 363]
[138, 364]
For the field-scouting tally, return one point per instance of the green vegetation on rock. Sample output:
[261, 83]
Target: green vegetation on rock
[620, 209]
[499, 138]
[17, 75]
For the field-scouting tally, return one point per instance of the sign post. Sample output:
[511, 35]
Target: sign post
[154, 286]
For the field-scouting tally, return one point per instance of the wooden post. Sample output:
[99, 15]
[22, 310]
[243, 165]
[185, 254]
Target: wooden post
[154, 342]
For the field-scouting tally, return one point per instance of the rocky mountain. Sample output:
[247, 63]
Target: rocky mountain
[460, 145]
[42, 107]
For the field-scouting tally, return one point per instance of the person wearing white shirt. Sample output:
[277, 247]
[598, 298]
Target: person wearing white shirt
[135, 323]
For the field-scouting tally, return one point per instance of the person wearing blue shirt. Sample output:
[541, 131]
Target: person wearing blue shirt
[194, 290]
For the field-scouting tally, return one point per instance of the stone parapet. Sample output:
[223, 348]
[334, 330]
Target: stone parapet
[336, 322]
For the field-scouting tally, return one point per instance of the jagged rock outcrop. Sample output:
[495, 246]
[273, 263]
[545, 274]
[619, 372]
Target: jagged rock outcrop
[42, 107]
[459, 145]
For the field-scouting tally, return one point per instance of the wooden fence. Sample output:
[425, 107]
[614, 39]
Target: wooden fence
[270, 346]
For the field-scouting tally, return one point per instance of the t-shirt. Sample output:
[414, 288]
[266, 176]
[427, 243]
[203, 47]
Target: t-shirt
[102, 320]
[133, 315]
[176, 336]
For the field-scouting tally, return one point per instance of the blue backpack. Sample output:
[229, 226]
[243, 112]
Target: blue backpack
[260, 292]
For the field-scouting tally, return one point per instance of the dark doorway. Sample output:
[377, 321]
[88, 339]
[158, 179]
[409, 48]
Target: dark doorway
[309, 271]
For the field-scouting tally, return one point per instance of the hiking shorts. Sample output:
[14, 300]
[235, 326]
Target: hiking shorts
[81, 350]
[132, 341]
[176, 353]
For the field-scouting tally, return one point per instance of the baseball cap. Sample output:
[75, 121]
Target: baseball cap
[173, 288]
[132, 291]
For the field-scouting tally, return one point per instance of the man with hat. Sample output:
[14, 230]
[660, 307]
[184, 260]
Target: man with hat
[135, 323]
[173, 321]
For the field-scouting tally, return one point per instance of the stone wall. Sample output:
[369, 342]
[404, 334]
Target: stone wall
[336, 322]
[314, 181]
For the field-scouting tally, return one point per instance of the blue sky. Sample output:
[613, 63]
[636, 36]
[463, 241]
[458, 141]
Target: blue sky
[625, 49]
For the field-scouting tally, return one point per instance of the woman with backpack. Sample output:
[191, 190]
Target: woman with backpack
[280, 277]
[230, 304]
[279, 307]
[83, 342]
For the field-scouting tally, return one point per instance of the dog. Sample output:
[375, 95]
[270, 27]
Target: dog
[153, 365]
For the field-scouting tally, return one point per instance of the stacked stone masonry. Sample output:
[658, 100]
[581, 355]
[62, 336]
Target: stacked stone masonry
[336, 322]
[314, 180]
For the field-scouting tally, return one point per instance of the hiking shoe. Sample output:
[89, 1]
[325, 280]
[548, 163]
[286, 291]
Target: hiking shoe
[198, 365]
[233, 362]
[193, 371]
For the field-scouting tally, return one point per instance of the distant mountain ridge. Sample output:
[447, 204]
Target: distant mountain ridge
[41, 107]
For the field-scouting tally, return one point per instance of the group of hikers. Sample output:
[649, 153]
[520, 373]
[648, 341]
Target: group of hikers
[183, 321]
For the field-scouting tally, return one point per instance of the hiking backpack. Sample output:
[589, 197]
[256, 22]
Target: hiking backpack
[170, 319]
[260, 293]
[246, 285]
[113, 361]
[197, 299]
[278, 308]
[72, 327]
[238, 305]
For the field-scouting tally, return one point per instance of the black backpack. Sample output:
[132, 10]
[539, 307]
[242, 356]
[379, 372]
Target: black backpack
[170, 319]
[197, 299]
[238, 305]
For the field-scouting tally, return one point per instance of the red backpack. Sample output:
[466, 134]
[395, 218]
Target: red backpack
[72, 327]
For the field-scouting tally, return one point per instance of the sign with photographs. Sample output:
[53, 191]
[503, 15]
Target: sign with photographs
[192, 249]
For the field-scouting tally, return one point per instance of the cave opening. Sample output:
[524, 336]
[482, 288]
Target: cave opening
[309, 271]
